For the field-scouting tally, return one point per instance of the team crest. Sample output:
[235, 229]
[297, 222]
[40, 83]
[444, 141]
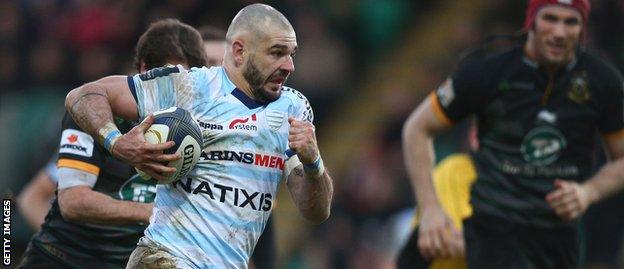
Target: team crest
[275, 119]
[579, 91]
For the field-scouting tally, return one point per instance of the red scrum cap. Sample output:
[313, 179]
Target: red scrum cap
[582, 6]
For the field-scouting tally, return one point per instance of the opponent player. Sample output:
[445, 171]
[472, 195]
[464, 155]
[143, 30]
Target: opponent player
[34, 201]
[538, 107]
[103, 206]
[256, 132]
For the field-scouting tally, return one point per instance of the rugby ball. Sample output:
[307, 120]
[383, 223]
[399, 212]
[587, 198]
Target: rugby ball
[176, 124]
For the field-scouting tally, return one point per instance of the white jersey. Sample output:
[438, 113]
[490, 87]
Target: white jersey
[214, 218]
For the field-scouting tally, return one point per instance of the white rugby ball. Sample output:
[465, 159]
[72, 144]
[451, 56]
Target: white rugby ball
[176, 124]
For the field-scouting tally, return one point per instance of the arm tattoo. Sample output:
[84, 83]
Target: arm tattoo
[89, 111]
[298, 171]
[71, 110]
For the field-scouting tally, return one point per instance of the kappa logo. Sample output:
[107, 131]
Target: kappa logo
[547, 116]
[246, 124]
[209, 126]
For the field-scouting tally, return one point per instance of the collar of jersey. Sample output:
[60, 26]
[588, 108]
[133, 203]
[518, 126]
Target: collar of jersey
[536, 65]
[236, 92]
[246, 100]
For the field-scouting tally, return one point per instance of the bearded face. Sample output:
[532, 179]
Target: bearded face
[265, 87]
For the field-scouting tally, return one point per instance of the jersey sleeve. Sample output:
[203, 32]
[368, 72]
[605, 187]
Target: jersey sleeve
[78, 149]
[461, 94]
[302, 108]
[162, 88]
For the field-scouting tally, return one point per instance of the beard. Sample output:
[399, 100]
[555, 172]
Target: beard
[257, 80]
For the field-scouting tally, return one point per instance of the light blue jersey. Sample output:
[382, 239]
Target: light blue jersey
[214, 218]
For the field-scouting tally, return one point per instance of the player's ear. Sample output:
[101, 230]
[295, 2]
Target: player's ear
[238, 51]
[142, 67]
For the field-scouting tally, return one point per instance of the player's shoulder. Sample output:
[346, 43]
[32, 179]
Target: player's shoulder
[598, 66]
[298, 103]
[294, 96]
[212, 80]
[487, 61]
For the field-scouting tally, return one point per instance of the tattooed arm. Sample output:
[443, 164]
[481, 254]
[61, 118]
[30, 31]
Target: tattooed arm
[309, 183]
[312, 194]
[93, 105]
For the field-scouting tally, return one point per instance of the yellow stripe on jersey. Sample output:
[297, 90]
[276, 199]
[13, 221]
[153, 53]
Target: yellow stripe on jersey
[80, 165]
[437, 109]
[619, 134]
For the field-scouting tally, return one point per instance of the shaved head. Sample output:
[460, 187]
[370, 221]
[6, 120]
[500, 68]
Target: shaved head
[259, 52]
[257, 20]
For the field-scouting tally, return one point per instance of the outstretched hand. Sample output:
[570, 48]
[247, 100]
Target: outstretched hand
[149, 158]
[302, 140]
[569, 199]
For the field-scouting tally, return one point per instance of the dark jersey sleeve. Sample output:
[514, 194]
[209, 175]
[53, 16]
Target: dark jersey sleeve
[612, 115]
[78, 149]
[462, 94]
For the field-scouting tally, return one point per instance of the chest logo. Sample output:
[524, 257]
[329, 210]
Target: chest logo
[137, 189]
[579, 91]
[246, 124]
[275, 119]
[543, 145]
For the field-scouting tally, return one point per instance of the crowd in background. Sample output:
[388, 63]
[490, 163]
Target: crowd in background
[346, 62]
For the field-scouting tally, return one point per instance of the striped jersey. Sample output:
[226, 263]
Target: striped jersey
[213, 218]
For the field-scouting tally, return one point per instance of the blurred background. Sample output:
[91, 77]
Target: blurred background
[363, 64]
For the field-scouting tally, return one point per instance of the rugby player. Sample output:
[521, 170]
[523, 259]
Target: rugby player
[256, 133]
[538, 107]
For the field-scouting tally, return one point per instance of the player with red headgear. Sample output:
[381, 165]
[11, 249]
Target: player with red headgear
[538, 106]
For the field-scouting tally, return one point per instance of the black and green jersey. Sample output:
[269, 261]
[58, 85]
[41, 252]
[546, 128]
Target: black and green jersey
[533, 127]
[84, 245]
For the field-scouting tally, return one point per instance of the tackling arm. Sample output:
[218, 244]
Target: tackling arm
[82, 204]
